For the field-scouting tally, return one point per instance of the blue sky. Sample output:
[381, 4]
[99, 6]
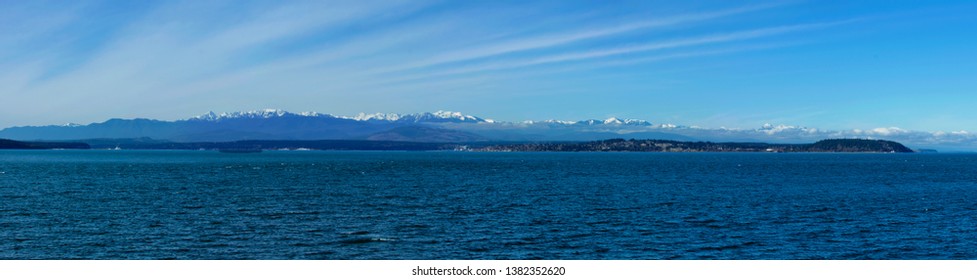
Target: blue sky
[824, 64]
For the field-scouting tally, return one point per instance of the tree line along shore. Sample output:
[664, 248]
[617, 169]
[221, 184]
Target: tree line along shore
[611, 145]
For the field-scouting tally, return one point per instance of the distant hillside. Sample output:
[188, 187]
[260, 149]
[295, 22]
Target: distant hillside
[283, 126]
[621, 145]
[11, 144]
[440, 126]
[856, 145]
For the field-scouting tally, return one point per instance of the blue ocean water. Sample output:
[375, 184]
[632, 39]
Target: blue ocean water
[462, 205]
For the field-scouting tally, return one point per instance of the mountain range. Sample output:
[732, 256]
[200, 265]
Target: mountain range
[271, 124]
[453, 127]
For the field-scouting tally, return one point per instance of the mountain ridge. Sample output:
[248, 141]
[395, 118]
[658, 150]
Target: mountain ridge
[284, 125]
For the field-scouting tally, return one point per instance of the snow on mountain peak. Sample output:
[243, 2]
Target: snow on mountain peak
[448, 114]
[615, 121]
[253, 114]
[439, 116]
[456, 116]
[267, 113]
[376, 116]
[312, 114]
[209, 116]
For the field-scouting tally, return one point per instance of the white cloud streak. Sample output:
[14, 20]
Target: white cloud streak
[546, 41]
[639, 48]
[167, 51]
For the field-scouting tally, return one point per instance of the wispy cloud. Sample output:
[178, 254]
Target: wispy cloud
[545, 41]
[166, 50]
[735, 36]
[19, 24]
[616, 51]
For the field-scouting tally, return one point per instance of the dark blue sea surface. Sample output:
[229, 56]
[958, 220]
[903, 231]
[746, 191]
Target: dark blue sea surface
[464, 205]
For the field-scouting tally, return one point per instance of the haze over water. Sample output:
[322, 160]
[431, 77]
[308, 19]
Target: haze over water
[456, 205]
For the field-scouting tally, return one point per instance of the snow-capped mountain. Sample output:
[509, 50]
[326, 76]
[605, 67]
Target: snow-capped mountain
[375, 117]
[255, 114]
[427, 117]
[274, 124]
[458, 117]
[436, 117]
[443, 116]
[284, 125]
[615, 121]
[592, 122]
